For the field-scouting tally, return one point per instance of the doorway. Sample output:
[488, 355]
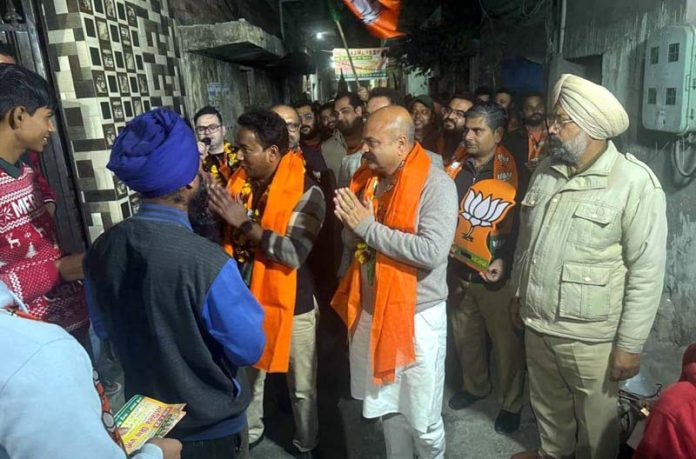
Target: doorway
[23, 32]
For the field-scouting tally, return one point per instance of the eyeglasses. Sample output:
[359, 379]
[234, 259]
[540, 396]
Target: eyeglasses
[557, 120]
[211, 129]
[447, 111]
[292, 127]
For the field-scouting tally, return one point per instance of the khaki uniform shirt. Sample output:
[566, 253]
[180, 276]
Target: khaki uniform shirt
[590, 257]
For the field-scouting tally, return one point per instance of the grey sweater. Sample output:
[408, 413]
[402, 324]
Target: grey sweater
[427, 250]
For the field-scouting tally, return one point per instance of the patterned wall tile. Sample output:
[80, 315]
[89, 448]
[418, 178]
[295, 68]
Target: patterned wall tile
[112, 60]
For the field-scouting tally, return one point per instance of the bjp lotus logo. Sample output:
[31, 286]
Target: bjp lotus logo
[480, 211]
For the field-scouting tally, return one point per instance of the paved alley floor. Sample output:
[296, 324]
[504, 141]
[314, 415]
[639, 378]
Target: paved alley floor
[470, 434]
[345, 434]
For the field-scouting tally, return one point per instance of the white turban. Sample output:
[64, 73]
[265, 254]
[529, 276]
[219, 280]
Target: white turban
[591, 106]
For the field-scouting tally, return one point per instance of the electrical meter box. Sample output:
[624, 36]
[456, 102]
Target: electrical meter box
[669, 83]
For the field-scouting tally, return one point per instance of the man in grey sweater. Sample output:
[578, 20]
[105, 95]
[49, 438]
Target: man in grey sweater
[399, 216]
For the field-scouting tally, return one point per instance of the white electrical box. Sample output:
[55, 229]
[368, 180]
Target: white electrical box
[669, 83]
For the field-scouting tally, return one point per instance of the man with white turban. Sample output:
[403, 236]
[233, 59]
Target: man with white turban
[588, 272]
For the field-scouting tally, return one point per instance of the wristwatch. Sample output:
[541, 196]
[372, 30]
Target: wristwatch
[246, 227]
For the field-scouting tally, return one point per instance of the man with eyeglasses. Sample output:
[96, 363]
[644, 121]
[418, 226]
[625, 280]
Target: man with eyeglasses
[328, 241]
[292, 123]
[219, 160]
[453, 125]
[588, 272]
[217, 154]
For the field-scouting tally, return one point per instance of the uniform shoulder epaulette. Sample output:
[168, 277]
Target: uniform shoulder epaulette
[646, 168]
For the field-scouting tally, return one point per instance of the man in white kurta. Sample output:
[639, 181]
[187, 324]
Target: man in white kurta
[410, 400]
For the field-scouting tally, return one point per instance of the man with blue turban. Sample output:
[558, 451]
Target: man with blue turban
[173, 303]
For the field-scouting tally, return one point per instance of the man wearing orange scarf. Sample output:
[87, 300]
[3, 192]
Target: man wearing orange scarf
[274, 211]
[399, 216]
[487, 179]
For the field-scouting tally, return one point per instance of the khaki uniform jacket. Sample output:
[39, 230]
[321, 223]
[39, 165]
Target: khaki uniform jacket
[590, 257]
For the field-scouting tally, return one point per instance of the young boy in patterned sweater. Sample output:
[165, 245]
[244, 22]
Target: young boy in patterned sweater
[31, 263]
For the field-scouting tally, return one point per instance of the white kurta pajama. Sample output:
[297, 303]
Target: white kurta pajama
[411, 406]
[418, 388]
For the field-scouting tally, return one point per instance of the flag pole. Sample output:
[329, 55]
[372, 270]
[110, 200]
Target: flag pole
[337, 21]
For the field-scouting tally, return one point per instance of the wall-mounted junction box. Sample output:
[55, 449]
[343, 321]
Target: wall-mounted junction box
[669, 83]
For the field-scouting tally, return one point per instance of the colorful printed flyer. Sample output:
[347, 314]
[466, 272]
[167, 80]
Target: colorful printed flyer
[144, 418]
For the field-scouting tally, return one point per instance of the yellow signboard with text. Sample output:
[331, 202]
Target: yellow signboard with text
[370, 63]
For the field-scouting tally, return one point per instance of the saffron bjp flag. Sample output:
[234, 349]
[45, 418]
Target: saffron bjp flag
[380, 16]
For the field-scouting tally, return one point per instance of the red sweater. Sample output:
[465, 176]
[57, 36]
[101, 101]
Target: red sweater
[28, 251]
[46, 191]
[670, 430]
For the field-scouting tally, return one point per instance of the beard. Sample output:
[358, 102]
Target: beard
[534, 120]
[308, 133]
[198, 205]
[570, 151]
[349, 128]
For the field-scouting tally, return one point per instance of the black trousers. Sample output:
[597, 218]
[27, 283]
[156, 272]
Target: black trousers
[235, 446]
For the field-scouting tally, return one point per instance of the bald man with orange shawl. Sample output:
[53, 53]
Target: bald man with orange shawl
[588, 271]
[399, 214]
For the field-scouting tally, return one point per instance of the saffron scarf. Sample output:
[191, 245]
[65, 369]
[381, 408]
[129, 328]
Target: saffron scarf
[536, 143]
[391, 337]
[273, 284]
[504, 167]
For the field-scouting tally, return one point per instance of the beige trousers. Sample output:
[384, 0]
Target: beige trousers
[474, 311]
[573, 398]
[302, 385]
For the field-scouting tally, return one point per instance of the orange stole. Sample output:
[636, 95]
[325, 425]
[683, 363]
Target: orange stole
[535, 145]
[504, 166]
[454, 166]
[273, 284]
[391, 336]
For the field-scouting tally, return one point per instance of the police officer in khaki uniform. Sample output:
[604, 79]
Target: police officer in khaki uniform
[487, 180]
[588, 272]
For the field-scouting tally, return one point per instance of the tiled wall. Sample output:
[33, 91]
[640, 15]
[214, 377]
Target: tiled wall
[111, 60]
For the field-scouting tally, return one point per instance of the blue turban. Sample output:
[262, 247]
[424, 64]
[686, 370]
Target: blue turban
[155, 154]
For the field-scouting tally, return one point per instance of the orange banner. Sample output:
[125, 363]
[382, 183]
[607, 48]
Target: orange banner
[380, 16]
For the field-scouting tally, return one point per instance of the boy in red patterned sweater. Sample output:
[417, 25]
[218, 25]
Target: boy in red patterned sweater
[31, 263]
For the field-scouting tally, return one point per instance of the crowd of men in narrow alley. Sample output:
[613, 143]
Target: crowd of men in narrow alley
[360, 241]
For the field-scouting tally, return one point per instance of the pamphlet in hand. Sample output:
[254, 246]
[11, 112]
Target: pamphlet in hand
[144, 418]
